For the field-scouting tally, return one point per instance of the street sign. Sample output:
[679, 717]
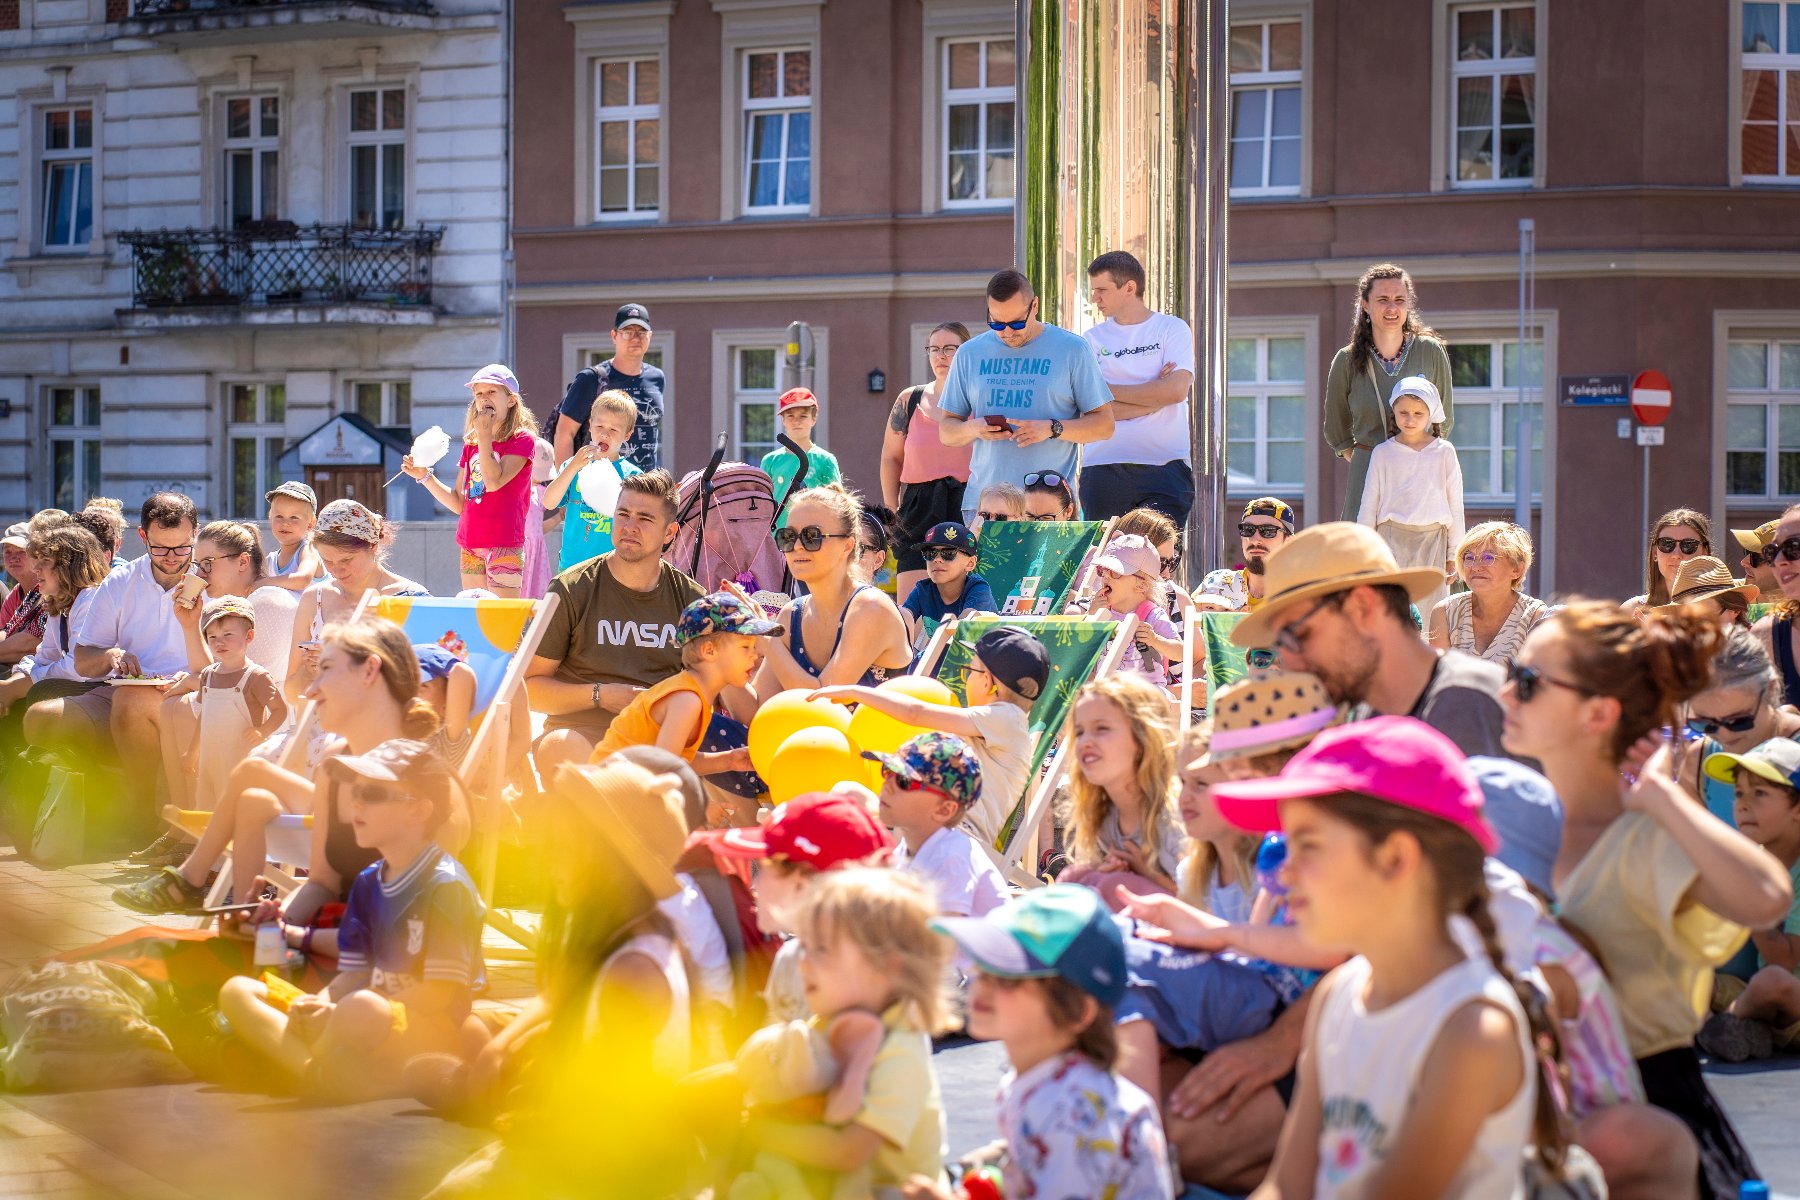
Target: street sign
[1651, 397]
[1650, 435]
[1594, 391]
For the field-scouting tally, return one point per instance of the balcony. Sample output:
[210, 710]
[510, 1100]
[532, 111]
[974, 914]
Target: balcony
[222, 22]
[276, 272]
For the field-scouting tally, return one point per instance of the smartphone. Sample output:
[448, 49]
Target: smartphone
[1000, 423]
[231, 908]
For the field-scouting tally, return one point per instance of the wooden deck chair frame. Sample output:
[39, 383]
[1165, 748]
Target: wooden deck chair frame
[1021, 848]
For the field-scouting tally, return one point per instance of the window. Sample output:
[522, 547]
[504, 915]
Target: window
[378, 158]
[74, 445]
[753, 393]
[1762, 419]
[978, 122]
[1493, 87]
[778, 130]
[1485, 376]
[1265, 414]
[384, 403]
[68, 165]
[1266, 141]
[628, 152]
[1769, 138]
[252, 159]
[255, 436]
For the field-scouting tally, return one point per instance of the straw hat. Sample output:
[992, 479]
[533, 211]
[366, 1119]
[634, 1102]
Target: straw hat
[1706, 579]
[1258, 716]
[1333, 557]
[644, 822]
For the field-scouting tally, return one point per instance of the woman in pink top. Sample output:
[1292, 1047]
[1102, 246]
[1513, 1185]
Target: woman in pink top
[493, 483]
[922, 479]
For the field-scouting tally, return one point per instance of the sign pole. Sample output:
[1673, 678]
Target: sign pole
[1646, 504]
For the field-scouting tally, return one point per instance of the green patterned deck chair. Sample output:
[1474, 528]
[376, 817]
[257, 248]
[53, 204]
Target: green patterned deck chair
[1033, 566]
[1080, 648]
[1209, 660]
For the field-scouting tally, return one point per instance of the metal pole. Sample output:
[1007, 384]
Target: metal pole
[1645, 510]
[1522, 437]
[1207, 291]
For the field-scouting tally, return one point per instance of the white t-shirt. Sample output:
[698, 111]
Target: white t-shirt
[698, 931]
[1133, 354]
[1003, 744]
[967, 882]
[132, 611]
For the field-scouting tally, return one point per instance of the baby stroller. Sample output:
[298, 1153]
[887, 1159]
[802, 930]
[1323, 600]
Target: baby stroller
[727, 516]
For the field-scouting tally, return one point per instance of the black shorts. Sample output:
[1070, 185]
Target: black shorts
[923, 505]
[1673, 1083]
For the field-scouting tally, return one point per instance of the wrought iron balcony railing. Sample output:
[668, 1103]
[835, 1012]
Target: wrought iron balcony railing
[280, 263]
[184, 8]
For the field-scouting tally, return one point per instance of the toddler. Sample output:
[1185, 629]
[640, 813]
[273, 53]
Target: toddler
[1121, 814]
[1413, 495]
[1130, 574]
[926, 788]
[950, 588]
[798, 411]
[238, 702]
[587, 532]
[293, 511]
[997, 502]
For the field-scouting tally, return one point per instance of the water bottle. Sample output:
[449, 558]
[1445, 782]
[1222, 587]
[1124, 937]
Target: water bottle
[1753, 1189]
[1271, 856]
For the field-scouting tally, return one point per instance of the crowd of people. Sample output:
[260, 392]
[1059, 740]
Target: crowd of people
[1446, 896]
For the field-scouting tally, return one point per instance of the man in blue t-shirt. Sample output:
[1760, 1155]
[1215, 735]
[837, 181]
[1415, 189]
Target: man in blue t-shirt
[1027, 394]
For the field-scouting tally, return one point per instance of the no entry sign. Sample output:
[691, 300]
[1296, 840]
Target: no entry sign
[1651, 397]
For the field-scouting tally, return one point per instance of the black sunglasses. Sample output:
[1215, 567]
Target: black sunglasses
[1527, 681]
[1710, 726]
[812, 538]
[1789, 550]
[997, 326]
[985, 515]
[1169, 564]
[1267, 533]
[1688, 546]
[940, 553]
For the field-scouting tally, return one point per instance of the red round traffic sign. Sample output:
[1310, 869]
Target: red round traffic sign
[1651, 397]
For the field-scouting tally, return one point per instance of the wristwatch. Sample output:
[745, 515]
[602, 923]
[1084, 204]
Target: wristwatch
[1055, 428]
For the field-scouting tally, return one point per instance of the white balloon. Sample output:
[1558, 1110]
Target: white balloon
[598, 486]
[430, 446]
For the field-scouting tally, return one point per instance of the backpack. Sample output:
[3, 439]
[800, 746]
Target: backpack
[739, 517]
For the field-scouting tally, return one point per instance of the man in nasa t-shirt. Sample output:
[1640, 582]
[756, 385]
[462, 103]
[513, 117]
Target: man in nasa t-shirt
[1147, 359]
[613, 632]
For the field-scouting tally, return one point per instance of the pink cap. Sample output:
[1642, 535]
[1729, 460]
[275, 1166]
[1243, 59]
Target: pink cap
[794, 398]
[1397, 759]
[495, 373]
[1131, 554]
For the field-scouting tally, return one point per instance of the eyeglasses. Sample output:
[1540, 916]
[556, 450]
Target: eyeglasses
[1789, 550]
[940, 553]
[994, 516]
[1047, 478]
[997, 326]
[1289, 640]
[1485, 558]
[940, 351]
[862, 549]
[1169, 564]
[633, 332]
[1043, 516]
[171, 551]
[812, 538]
[1527, 680]
[1688, 545]
[204, 566]
[1710, 726]
[1267, 533]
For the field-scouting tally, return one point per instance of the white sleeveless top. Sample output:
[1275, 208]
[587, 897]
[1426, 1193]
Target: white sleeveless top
[673, 1045]
[1369, 1066]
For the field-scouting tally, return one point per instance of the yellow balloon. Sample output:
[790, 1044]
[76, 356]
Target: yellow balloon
[811, 760]
[877, 731]
[785, 714]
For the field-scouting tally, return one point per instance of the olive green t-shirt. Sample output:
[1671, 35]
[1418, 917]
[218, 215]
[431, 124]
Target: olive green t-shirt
[604, 632]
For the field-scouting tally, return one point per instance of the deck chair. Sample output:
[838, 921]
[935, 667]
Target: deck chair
[1053, 557]
[1080, 648]
[1209, 661]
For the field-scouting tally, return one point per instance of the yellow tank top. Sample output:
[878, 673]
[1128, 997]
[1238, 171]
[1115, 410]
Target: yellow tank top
[636, 727]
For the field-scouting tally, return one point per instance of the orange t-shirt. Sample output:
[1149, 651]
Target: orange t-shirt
[635, 726]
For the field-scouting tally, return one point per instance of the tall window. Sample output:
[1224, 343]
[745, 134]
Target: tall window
[978, 121]
[629, 154]
[1266, 137]
[378, 158]
[1493, 89]
[1485, 429]
[1762, 419]
[74, 445]
[753, 382]
[388, 402]
[252, 159]
[1265, 414]
[68, 165]
[777, 130]
[1770, 134]
[255, 436]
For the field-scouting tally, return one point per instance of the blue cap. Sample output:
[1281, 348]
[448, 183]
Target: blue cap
[1064, 931]
[435, 662]
[953, 534]
[1524, 811]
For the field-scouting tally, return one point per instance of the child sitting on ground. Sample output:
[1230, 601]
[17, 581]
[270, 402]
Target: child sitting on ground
[1121, 813]
[717, 635]
[1051, 969]
[997, 502]
[293, 511]
[950, 587]
[798, 412]
[1130, 574]
[409, 946]
[1008, 670]
[237, 701]
[927, 787]
[1763, 1016]
[587, 532]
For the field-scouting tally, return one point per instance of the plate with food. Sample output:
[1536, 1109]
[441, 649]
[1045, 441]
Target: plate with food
[140, 680]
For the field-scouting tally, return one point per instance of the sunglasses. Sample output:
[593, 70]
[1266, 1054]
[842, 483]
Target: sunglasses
[969, 669]
[940, 553]
[1267, 533]
[997, 326]
[994, 516]
[1789, 550]
[1688, 545]
[863, 549]
[1710, 726]
[1262, 658]
[812, 538]
[1527, 681]
[1169, 564]
[1047, 478]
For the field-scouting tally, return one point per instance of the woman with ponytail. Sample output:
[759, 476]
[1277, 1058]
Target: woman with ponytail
[1661, 889]
[1388, 341]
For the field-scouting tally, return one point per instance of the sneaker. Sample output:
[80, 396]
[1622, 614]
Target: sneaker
[169, 850]
[1051, 864]
[1735, 1039]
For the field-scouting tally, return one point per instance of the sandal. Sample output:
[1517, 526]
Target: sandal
[169, 850]
[164, 892]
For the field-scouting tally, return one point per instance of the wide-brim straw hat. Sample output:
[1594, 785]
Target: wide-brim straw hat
[1333, 557]
[1706, 579]
[644, 822]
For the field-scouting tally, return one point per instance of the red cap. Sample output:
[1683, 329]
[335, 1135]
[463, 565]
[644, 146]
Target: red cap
[1396, 759]
[793, 397]
[821, 829]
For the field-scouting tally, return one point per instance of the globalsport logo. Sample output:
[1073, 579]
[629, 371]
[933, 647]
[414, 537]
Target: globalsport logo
[1129, 351]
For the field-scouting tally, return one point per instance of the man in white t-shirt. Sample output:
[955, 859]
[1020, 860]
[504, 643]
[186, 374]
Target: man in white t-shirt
[1147, 359]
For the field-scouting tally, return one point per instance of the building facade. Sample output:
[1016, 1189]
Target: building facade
[226, 222]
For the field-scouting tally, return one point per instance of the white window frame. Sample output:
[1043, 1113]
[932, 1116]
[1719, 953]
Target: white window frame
[388, 402]
[1494, 69]
[269, 433]
[380, 137]
[82, 434]
[1495, 398]
[726, 399]
[1260, 391]
[1778, 391]
[942, 20]
[982, 97]
[1443, 97]
[632, 114]
[256, 145]
[610, 33]
[1269, 82]
[50, 160]
[1311, 491]
[1780, 62]
[789, 106]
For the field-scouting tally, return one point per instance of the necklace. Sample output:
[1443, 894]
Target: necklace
[1392, 365]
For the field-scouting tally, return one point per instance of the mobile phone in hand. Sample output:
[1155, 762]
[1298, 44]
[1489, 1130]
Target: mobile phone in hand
[1000, 423]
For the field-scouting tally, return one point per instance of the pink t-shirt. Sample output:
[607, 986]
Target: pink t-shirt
[494, 520]
[926, 457]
